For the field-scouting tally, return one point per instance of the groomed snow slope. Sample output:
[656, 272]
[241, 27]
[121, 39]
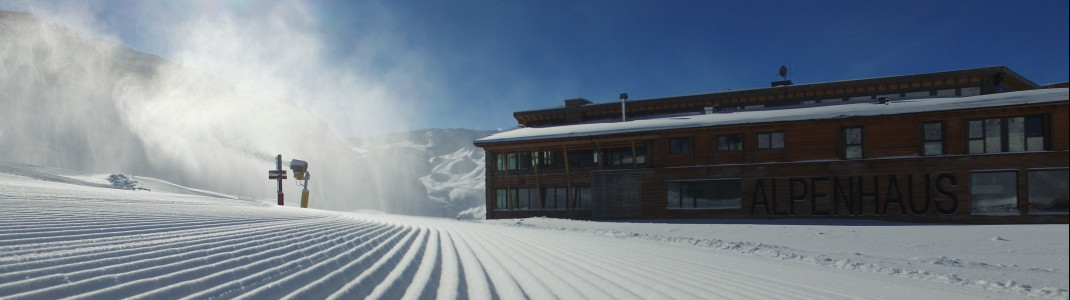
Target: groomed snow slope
[59, 239]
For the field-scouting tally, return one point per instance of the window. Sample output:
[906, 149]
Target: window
[511, 158]
[524, 161]
[1048, 191]
[994, 193]
[549, 159]
[501, 162]
[704, 194]
[516, 161]
[771, 140]
[933, 136]
[526, 198]
[623, 156]
[583, 158]
[682, 145]
[1034, 133]
[1012, 134]
[502, 199]
[730, 142]
[852, 142]
[555, 198]
[970, 91]
[581, 196]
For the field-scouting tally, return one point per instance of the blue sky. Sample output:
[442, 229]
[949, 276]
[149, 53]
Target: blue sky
[471, 64]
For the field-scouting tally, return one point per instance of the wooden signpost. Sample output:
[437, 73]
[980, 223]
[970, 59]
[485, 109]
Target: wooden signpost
[278, 174]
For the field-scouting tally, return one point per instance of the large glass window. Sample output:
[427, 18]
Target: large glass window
[581, 195]
[583, 158]
[517, 161]
[501, 162]
[502, 200]
[555, 198]
[549, 159]
[704, 194]
[1011, 134]
[852, 142]
[524, 161]
[730, 142]
[994, 193]
[771, 140]
[1048, 191]
[526, 198]
[683, 145]
[933, 135]
[511, 158]
[623, 156]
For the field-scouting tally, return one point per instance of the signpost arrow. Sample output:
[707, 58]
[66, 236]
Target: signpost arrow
[273, 174]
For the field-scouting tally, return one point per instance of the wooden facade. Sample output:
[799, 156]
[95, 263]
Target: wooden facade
[992, 164]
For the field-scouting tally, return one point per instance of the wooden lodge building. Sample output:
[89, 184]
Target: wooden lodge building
[976, 146]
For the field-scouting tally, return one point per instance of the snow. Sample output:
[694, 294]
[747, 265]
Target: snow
[798, 113]
[78, 239]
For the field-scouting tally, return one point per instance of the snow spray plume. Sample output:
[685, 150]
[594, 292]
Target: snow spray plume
[239, 91]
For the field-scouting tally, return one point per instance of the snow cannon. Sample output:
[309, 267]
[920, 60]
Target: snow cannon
[300, 169]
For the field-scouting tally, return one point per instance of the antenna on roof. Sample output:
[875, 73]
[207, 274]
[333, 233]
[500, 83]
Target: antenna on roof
[783, 73]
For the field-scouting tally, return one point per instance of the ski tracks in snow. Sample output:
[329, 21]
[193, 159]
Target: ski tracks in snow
[117, 245]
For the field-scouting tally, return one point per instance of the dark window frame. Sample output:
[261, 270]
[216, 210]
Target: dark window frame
[624, 157]
[1043, 191]
[587, 158]
[978, 203]
[687, 190]
[502, 199]
[554, 197]
[847, 145]
[681, 145]
[577, 199]
[769, 139]
[738, 142]
[926, 140]
[1032, 127]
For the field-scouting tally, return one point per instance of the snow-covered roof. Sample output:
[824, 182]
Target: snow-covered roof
[794, 113]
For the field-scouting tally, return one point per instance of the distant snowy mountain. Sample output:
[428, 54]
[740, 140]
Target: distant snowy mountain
[85, 104]
[450, 169]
